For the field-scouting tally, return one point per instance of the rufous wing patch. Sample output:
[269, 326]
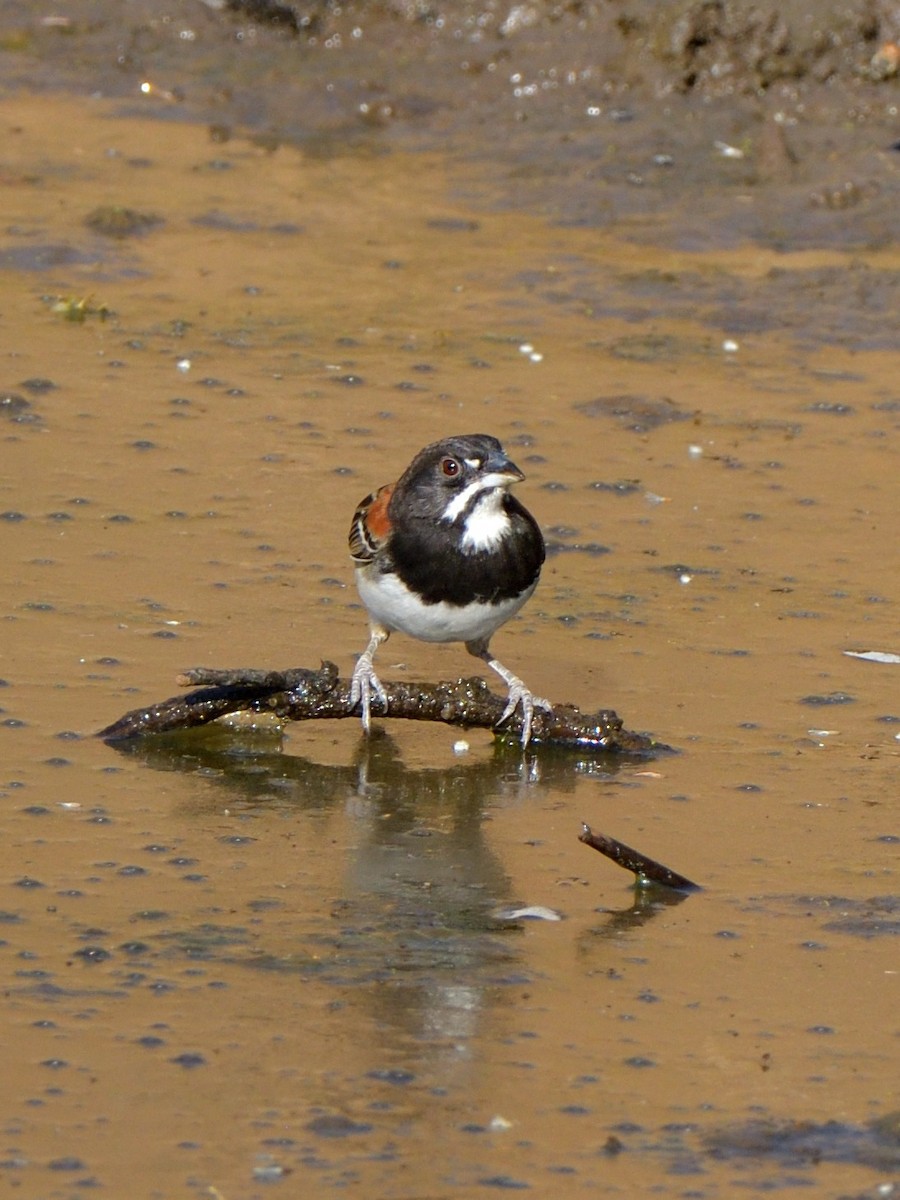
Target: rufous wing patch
[370, 525]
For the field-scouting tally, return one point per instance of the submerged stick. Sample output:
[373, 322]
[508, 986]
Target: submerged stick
[301, 694]
[646, 870]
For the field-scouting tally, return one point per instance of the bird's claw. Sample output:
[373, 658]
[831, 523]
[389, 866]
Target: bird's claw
[519, 694]
[363, 683]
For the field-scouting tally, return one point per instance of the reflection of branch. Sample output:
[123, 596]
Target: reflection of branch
[646, 870]
[302, 695]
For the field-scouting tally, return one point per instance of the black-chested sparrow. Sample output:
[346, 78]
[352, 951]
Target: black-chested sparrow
[446, 554]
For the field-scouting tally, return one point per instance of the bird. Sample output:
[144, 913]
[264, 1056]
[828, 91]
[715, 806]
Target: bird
[446, 554]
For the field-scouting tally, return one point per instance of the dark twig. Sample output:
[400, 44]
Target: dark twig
[302, 695]
[646, 870]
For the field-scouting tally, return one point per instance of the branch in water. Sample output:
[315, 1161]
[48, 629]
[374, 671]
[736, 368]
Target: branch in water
[300, 694]
[646, 870]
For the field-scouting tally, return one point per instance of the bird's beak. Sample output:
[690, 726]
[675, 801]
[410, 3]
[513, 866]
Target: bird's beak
[505, 469]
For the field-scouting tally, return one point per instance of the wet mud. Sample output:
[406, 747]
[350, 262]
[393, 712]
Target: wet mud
[274, 960]
[688, 124]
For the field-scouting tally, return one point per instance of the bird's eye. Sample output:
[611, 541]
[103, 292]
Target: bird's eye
[450, 467]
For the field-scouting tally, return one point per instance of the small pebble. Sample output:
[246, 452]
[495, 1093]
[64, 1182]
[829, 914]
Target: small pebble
[530, 912]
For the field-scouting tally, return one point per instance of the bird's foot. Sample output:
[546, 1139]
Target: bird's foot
[519, 694]
[363, 683]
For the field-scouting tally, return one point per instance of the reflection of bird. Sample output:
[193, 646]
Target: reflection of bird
[446, 554]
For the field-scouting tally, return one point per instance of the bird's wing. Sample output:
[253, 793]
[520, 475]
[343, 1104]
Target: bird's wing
[370, 526]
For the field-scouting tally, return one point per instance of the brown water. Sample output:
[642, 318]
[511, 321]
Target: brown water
[234, 967]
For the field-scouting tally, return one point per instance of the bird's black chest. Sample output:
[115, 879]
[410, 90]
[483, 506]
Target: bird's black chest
[429, 557]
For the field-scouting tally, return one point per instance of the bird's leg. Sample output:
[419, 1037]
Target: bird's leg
[519, 694]
[364, 680]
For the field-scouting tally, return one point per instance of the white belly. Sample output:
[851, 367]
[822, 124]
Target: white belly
[391, 604]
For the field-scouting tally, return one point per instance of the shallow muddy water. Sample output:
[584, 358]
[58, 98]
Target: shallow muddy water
[241, 964]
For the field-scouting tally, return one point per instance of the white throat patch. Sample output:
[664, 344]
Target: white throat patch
[489, 484]
[487, 524]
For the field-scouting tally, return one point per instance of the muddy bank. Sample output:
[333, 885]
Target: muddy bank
[713, 122]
